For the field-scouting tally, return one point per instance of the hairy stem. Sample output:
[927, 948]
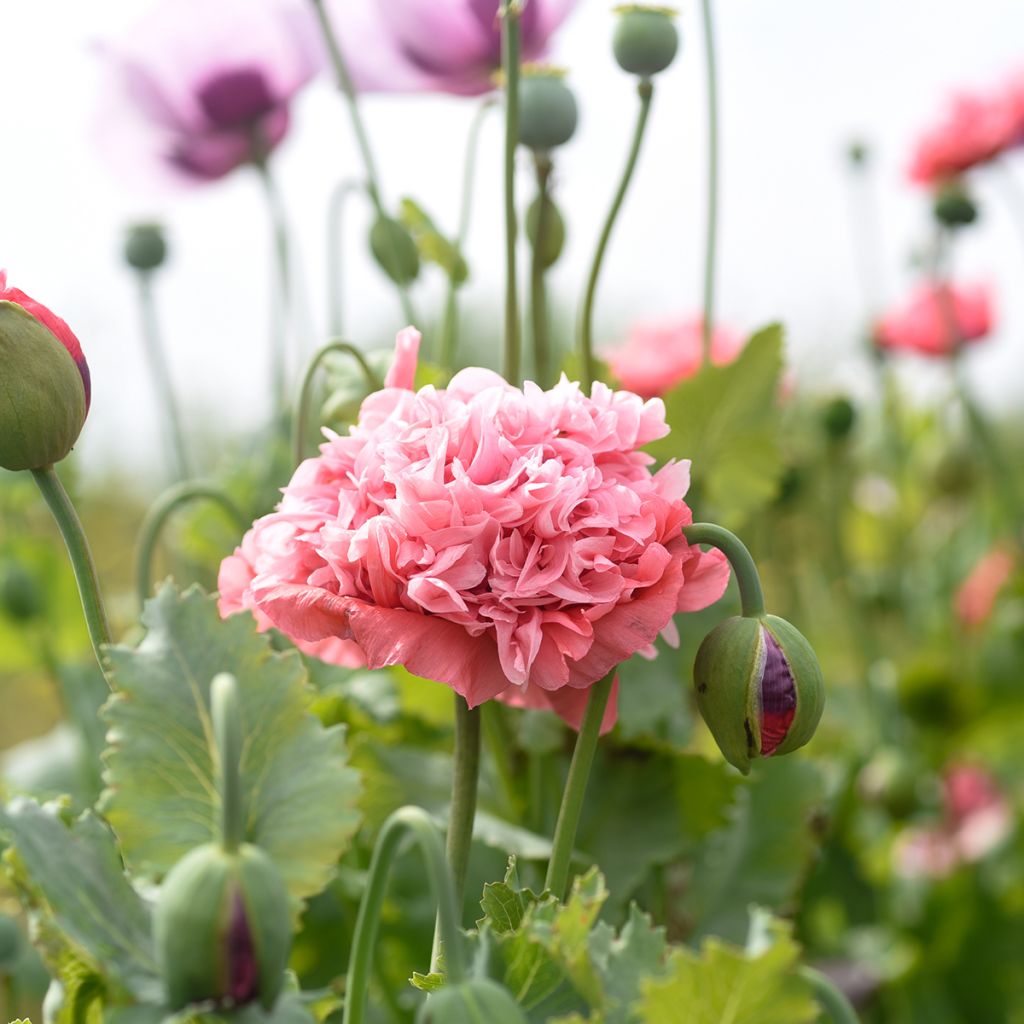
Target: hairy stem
[226, 712]
[742, 562]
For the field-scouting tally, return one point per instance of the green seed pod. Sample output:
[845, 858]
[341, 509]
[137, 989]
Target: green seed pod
[953, 207]
[759, 688]
[554, 231]
[222, 928]
[477, 1001]
[547, 109]
[145, 247]
[394, 250]
[838, 418]
[21, 597]
[646, 39]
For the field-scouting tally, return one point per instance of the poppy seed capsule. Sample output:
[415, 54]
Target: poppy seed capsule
[547, 109]
[222, 928]
[145, 247]
[759, 688]
[646, 39]
[471, 1002]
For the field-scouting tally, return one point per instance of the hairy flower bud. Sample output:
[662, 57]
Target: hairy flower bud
[222, 928]
[759, 688]
[953, 206]
[547, 109]
[471, 1002]
[394, 250]
[646, 39]
[145, 247]
[554, 231]
[44, 383]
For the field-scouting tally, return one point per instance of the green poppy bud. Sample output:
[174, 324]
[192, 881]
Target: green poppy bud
[145, 247]
[21, 597]
[475, 1001]
[554, 231]
[547, 108]
[953, 206]
[394, 250]
[838, 418]
[645, 40]
[759, 688]
[222, 928]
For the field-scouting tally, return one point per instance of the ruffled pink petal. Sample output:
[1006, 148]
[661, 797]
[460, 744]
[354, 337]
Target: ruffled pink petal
[707, 575]
[402, 372]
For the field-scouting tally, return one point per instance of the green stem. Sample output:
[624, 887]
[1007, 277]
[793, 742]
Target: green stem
[831, 1000]
[70, 527]
[510, 13]
[335, 305]
[344, 80]
[538, 293]
[301, 423]
[404, 821]
[156, 518]
[465, 776]
[161, 374]
[226, 712]
[711, 240]
[557, 880]
[751, 594]
[645, 89]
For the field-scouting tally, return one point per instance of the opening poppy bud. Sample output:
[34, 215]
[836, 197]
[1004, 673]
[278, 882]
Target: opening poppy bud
[759, 688]
[953, 207]
[646, 39]
[838, 418]
[394, 250]
[547, 108]
[145, 247]
[21, 597]
[470, 1002]
[554, 231]
[222, 928]
[44, 383]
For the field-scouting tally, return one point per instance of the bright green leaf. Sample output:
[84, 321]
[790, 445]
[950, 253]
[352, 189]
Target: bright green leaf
[433, 246]
[624, 961]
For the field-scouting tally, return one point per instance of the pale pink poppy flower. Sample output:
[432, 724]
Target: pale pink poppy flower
[514, 544]
[451, 46]
[658, 354]
[977, 595]
[937, 319]
[197, 88]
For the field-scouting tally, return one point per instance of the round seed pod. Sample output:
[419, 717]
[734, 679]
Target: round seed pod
[547, 109]
[646, 39]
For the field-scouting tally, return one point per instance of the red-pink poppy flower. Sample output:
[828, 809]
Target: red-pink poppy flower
[450, 46]
[510, 543]
[977, 595]
[659, 354]
[199, 88]
[937, 319]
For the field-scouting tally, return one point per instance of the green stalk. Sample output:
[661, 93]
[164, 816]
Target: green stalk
[711, 240]
[405, 821]
[751, 594]
[70, 527]
[645, 89]
[510, 14]
[538, 292]
[334, 290]
[829, 998]
[301, 423]
[226, 712]
[557, 880]
[465, 776]
[156, 518]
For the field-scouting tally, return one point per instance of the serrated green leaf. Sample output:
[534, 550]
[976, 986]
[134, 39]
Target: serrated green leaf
[624, 961]
[161, 797]
[427, 982]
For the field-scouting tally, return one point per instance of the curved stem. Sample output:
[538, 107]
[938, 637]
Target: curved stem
[70, 527]
[226, 712]
[510, 13]
[404, 821]
[161, 374]
[711, 240]
[557, 879]
[160, 511]
[301, 423]
[538, 293]
[335, 209]
[465, 776]
[645, 90]
[831, 1000]
[751, 594]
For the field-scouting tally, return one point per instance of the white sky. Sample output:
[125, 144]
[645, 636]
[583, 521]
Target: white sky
[799, 79]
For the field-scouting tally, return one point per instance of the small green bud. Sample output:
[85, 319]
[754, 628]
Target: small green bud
[953, 207]
[145, 247]
[759, 688]
[222, 928]
[547, 109]
[395, 250]
[471, 1002]
[858, 153]
[838, 418]
[21, 597]
[646, 39]
[554, 230]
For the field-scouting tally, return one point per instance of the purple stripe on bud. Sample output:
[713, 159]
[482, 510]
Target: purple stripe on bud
[242, 968]
[778, 697]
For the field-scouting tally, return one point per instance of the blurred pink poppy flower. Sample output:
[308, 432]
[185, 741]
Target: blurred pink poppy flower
[977, 595]
[937, 319]
[197, 89]
[449, 46]
[659, 354]
[511, 543]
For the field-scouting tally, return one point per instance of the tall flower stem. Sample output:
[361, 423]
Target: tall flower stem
[82, 564]
[465, 776]
[226, 712]
[511, 12]
[344, 80]
[301, 422]
[335, 305]
[160, 371]
[161, 511]
[645, 89]
[557, 880]
[538, 292]
[711, 236]
[414, 822]
[829, 998]
[742, 562]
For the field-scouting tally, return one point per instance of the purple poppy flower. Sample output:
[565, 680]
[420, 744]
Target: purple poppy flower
[200, 87]
[436, 45]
